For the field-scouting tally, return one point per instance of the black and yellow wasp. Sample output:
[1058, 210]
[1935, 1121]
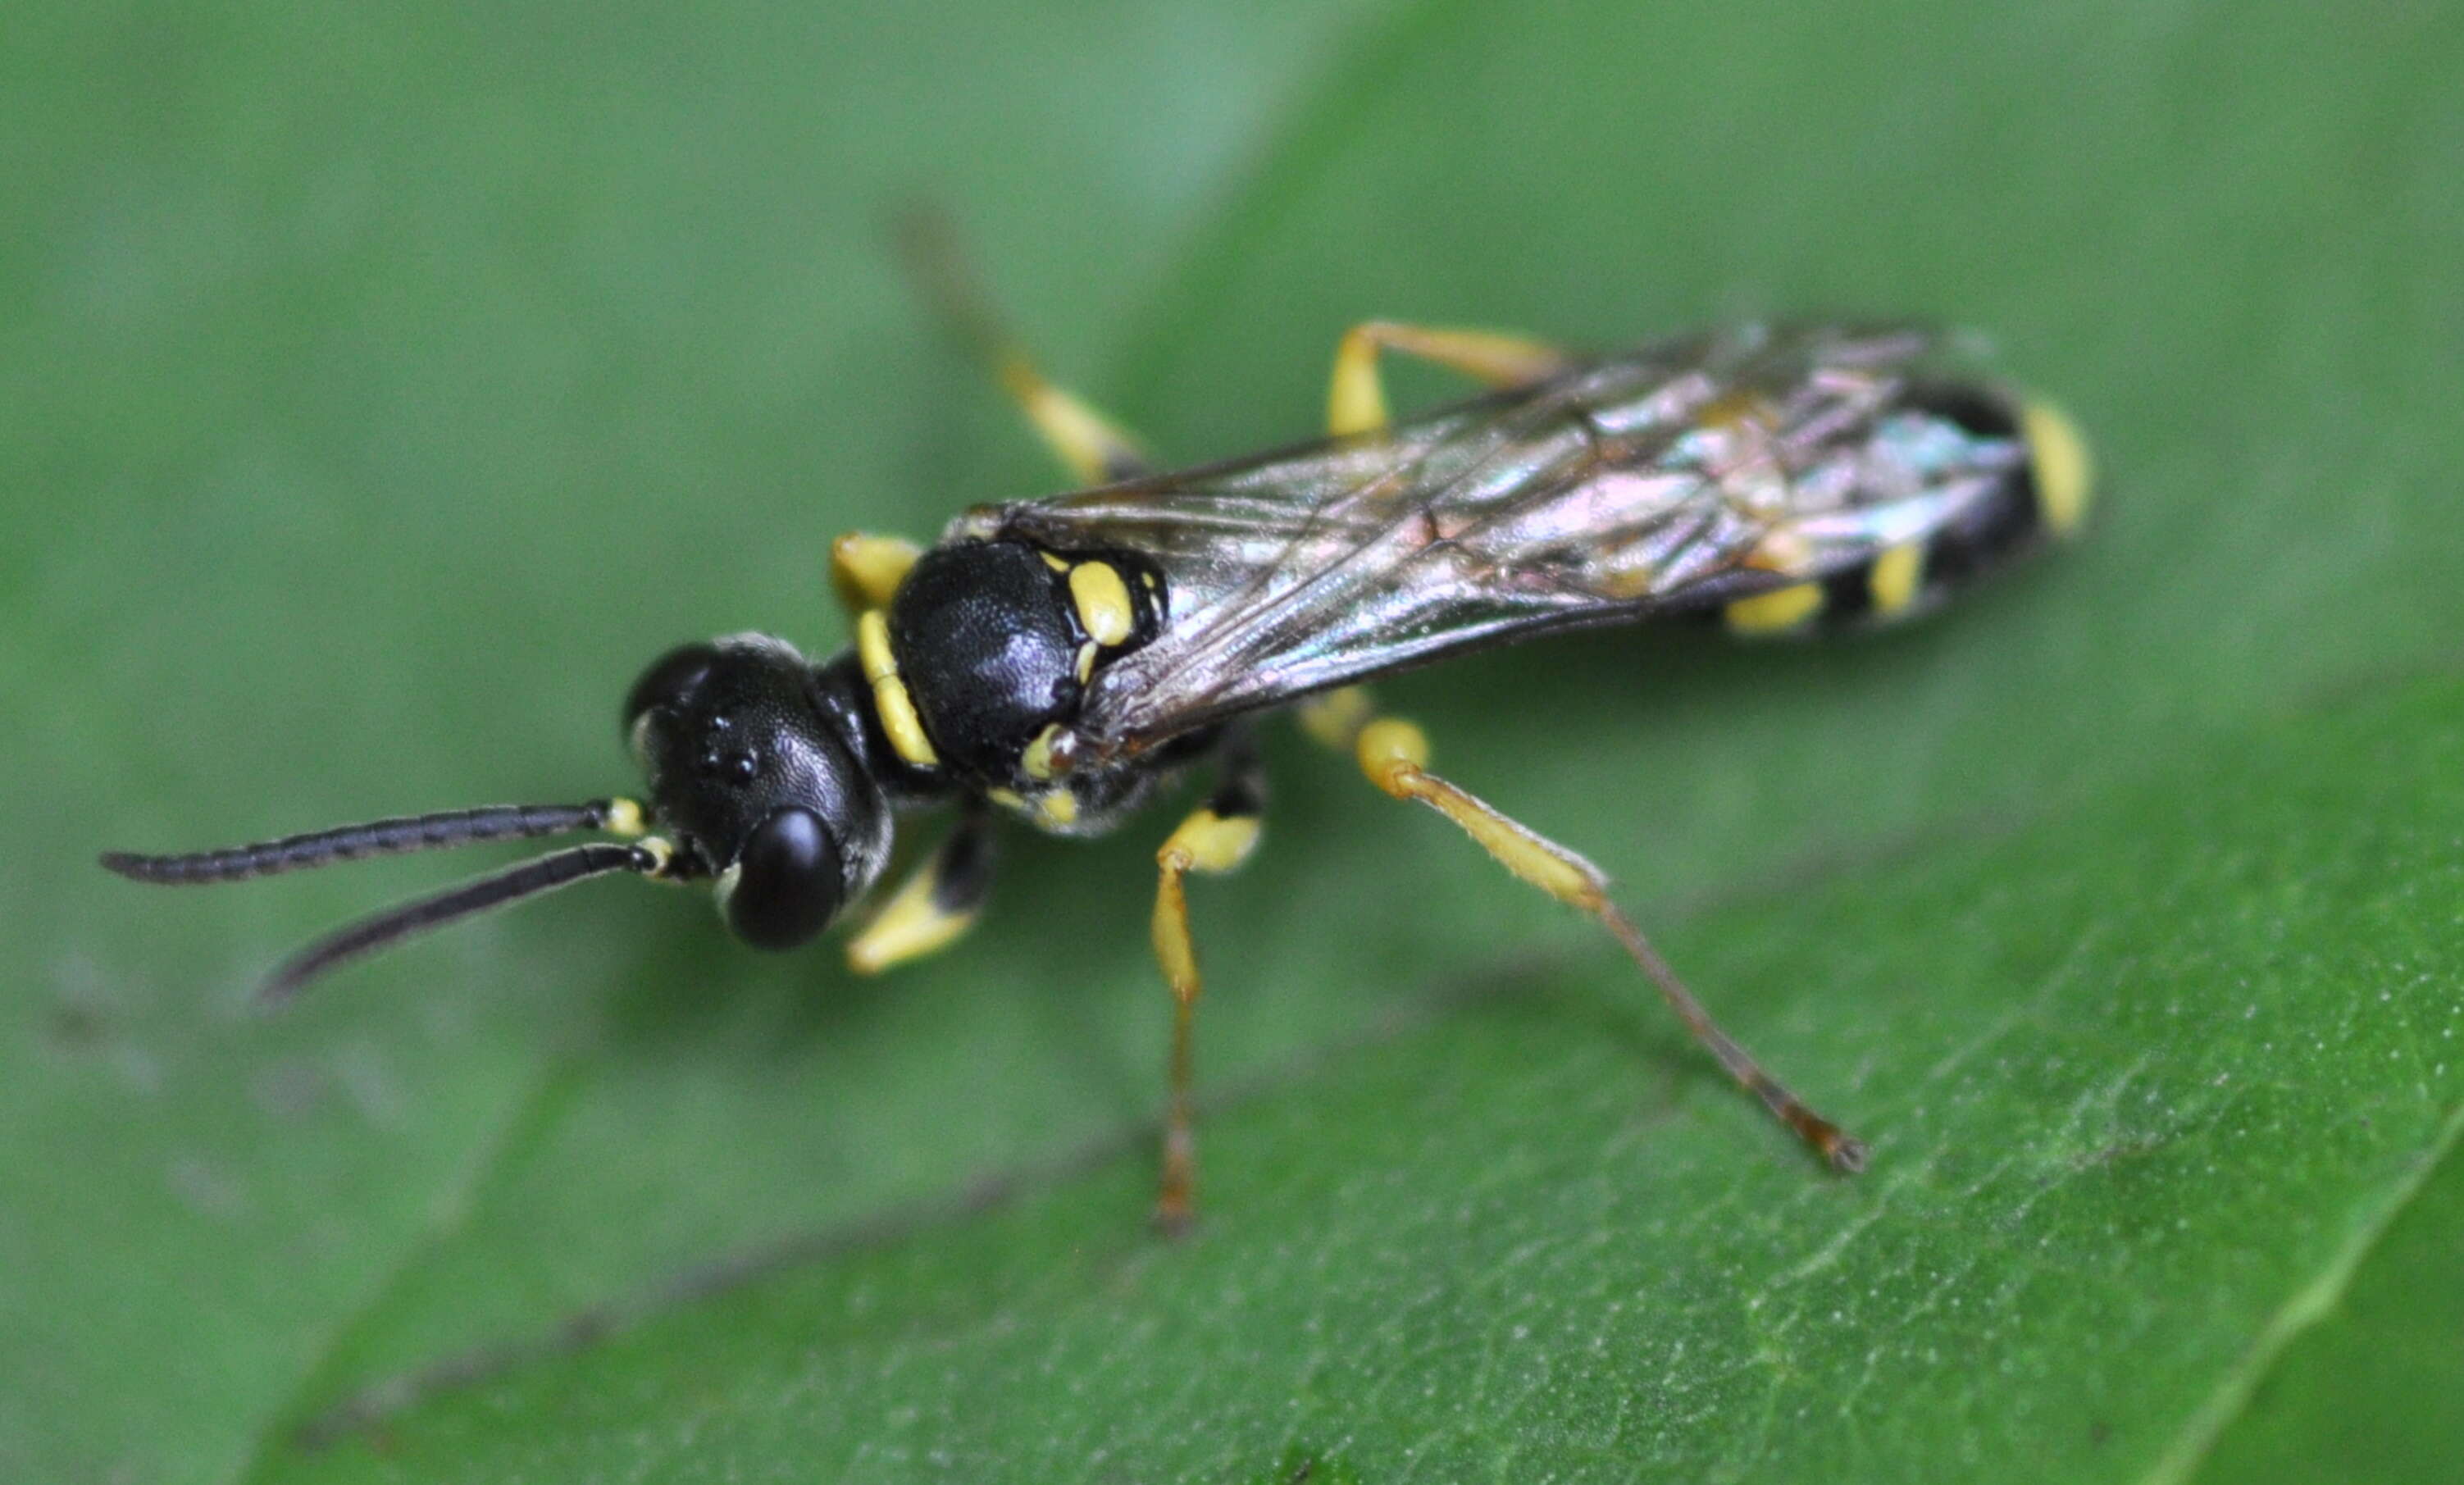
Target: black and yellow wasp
[1058, 660]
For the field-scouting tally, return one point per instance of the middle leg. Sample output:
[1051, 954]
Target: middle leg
[1216, 838]
[935, 905]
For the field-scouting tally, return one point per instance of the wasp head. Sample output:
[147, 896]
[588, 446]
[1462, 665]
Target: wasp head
[756, 766]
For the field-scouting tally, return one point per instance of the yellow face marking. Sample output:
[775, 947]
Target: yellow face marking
[623, 818]
[1894, 578]
[866, 569]
[2059, 458]
[1087, 661]
[910, 926]
[1057, 563]
[1036, 763]
[889, 698]
[1780, 609]
[1103, 602]
[1333, 718]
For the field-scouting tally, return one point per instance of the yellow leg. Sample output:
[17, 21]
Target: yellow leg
[1394, 754]
[935, 906]
[1356, 403]
[1091, 446]
[1214, 839]
[1333, 718]
[865, 570]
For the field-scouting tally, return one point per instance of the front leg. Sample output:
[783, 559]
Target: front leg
[1216, 838]
[866, 570]
[933, 907]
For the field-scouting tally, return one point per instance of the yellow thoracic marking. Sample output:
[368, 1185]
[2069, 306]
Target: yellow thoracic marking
[1103, 602]
[1894, 578]
[1394, 754]
[898, 710]
[1051, 809]
[624, 817]
[1782, 607]
[866, 569]
[910, 926]
[1036, 763]
[2064, 472]
[1056, 562]
[1333, 718]
[872, 646]
[1087, 661]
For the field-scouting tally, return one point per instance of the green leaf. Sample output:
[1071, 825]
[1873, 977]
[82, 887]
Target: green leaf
[381, 387]
[2365, 1396]
[1483, 1245]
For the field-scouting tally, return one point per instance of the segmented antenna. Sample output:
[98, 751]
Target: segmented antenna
[528, 878]
[376, 837]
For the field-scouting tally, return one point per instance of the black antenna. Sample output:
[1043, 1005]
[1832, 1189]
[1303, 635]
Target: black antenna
[376, 837]
[528, 878]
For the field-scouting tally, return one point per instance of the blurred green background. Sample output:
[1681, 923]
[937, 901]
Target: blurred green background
[384, 384]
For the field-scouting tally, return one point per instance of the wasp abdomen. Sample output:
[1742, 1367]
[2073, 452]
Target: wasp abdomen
[2041, 490]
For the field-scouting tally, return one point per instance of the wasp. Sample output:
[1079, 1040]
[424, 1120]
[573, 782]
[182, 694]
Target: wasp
[1061, 661]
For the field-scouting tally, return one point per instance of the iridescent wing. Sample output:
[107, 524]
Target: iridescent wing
[1681, 477]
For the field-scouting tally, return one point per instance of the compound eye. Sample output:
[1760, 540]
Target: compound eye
[787, 882]
[670, 679]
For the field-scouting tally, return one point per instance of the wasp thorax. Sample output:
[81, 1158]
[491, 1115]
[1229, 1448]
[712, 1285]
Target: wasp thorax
[754, 765]
[988, 647]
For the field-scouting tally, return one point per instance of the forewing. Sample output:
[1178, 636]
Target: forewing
[1681, 475]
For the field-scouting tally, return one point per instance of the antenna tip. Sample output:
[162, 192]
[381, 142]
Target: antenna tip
[123, 863]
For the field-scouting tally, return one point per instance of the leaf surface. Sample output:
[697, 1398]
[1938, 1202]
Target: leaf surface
[379, 388]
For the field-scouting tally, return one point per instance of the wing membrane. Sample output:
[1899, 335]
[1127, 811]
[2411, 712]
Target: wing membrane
[1674, 477]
